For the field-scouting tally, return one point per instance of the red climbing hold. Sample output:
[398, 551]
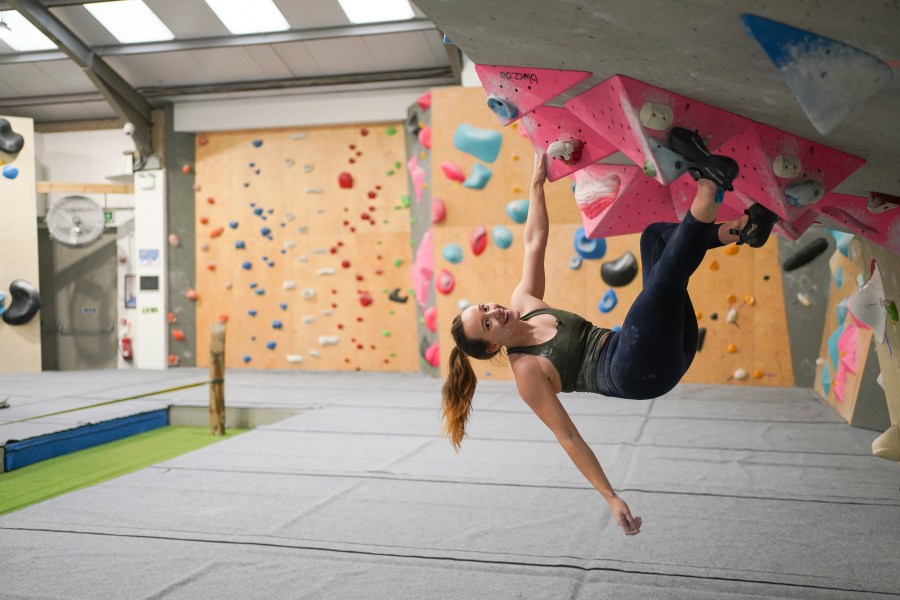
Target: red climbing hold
[359, 277]
[479, 240]
[223, 318]
[173, 360]
[445, 282]
[186, 169]
[433, 355]
[211, 266]
[210, 200]
[191, 294]
[372, 194]
[202, 140]
[216, 232]
[431, 319]
[178, 335]
[425, 136]
[345, 180]
[438, 210]
[345, 264]
[365, 216]
[364, 132]
[204, 221]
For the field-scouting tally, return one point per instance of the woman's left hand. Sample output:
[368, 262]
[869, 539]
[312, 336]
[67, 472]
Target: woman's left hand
[540, 169]
[622, 515]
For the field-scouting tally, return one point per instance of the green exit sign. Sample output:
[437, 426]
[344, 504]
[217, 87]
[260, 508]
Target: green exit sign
[108, 215]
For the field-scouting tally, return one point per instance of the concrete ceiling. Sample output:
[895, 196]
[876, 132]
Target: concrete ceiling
[698, 49]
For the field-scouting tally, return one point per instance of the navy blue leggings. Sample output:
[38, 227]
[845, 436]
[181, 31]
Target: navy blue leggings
[658, 340]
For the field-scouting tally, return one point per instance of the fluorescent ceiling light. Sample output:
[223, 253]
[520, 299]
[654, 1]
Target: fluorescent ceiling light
[240, 16]
[130, 21]
[369, 11]
[22, 36]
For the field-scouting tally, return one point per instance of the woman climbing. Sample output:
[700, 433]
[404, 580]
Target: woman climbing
[552, 351]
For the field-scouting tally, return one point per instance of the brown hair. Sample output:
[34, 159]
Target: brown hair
[459, 389]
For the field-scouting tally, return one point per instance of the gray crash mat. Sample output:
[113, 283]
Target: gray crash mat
[361, 497]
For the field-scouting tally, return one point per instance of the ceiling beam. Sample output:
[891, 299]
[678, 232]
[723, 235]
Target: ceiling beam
[124, 99]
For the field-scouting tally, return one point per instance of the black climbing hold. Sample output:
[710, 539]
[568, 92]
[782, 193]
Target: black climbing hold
[26, 301]
[396, 297]
[621, 271]
[412, 124]
[10, 141]
[701, 336]
[806, 254]
[714, 316]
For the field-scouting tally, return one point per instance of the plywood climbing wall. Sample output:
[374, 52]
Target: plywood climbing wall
[301, 266]
[758, 337]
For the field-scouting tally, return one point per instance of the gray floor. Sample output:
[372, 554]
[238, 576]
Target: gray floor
[745, 493]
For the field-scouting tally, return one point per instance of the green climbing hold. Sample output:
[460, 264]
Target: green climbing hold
[398, 164]
[393, 355]
[390, 131]
[891, 308]
[386, 333]
[649, 169]
[405, 200]
[398, 262]
[391, 172]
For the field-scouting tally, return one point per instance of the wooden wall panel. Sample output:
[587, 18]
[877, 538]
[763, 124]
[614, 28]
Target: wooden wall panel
[314, 225]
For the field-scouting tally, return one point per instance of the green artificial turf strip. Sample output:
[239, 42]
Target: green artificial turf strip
[38, 482]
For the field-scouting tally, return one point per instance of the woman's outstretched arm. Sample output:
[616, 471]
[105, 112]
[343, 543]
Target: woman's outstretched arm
[537, 230]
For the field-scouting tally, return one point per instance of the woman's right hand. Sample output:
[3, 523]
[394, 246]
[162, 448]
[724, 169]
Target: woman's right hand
[540, 169]
[622, 515]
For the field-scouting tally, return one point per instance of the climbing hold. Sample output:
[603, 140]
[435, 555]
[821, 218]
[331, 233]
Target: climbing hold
[502, 107]
[739, 374]
[204, 247]
[732, 249]
[731, 348]
[260, 292]
[453, 171]
[265, 231]
[216, 232]
[308, 293]
[827, 77]
[749, 300]
[173, 360]
[452, 253]
[10, 141]
[503, 237]
[806, 254]
[478, 240]
[345, 180]
[233, 224]
[804, 193]
[191, 294]
[479, 177]
[276, 324]
[246, 358]
[480, 143]
[621, 271]
[247, 265]
[186, 169]
[10, 172]
[174, 240]
[271, 345]
[256, 143]
[396, 297]
[178, 335]
[608, 302]
[731, 298]
[326, 271]
[345, 264]
[804, 299]
[294, 358]
[517, 210]
[656, 116]
[839, 278]
[25, 303]
[433, 355]
[390, 130]
[445, 282]
[594, 193]
[223, 317]
[732, 316]
[365, 299]
[438, 210]
[328, 340]
[786, 167]
[424, 101]
[289, 285]
[714, 265]
[867, 304]
[252, 312]
[567, 151]
[575, 263]
[211, 266]
[430, 318]
[588, 248]
[425, 136]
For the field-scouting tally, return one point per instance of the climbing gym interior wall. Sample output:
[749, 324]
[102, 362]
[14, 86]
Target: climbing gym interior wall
[737, 291]
[302, 236]
[21, 343]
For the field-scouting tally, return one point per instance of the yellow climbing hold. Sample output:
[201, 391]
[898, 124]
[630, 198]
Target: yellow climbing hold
[732, 250]
[699, 315]
[758, 374]
[517, 190]
[423, 154]
[515, 157]
[749, 300]
[714, 265]
[731, 298]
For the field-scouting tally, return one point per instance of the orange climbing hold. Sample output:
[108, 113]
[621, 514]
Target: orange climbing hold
[178, 335]
[731, 348]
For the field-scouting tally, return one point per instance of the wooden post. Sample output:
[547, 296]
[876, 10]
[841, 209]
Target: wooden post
[217, 379]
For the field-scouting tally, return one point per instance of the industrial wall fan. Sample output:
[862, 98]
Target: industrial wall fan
[75, 221]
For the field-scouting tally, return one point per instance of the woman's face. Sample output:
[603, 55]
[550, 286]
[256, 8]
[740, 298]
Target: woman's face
[490, 322]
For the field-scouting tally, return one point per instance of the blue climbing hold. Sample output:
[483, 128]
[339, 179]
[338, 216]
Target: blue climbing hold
[271, 263]
[839, 278]
[271, 345]
[252, 312]
[10, 172]
[276, 324]
[608, 302]
[233, 224]
[502, 107]
[616, 328]
[257, 143]
[517, 210]
[247, 264]
[503, 237]
[575, 262]
[588, 248]
[841, 311]
[452, 253]
[247, 358]
[479, 177]
[480, 143]
[260, 291]
[265, 231]
[834, 352]
[253, 285]
[825, 379]
[240, 245]
[257, 211]
[283, 306]
[447, 41]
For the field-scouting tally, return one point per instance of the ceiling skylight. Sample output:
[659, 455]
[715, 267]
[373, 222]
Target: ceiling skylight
[20, 35]
[130, 21]
[368, 11]
[240, 16]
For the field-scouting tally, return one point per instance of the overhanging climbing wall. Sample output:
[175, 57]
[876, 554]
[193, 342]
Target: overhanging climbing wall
[746, 283]
[302, 235]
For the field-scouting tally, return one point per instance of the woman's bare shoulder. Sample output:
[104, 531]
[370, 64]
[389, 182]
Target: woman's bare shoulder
[525, 303]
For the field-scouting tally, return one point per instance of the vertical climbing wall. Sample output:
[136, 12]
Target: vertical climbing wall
[747, 281]
[301, 237]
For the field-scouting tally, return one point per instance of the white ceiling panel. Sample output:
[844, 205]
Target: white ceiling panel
[299, 60]
[67, 75]
[401, 51]
[342, 56]
[84, 25]
[26, 79]
[269, 63]
[82, 111]
[188, 18]
[312, 14]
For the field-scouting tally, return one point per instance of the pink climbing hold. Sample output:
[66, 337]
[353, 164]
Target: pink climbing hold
[445, 282]
[417, 175]
[453, 171]
[431, 319]
[433, 355]
[345, 180]
[191, 294]
[424, 101]
[438, 210]
[425, 136]
[479, 240]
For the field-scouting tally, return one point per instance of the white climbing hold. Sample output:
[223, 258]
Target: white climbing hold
[313, 190]
[294, 358]
[328, 340]
[740, 374]
[302, 258]
[315, 353]
[302, 135]
[289, 285]
[656, 116]
[309, 293]
[327, 312]
[804, 299]
[326, 271]
[289, 216]
[303, 229]
[289, 162]
[307, 168]
[308, 319]
[290, 245]
[732, 316]
[320, 251]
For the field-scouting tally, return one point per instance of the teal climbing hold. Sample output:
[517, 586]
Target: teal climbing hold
[839, 278]
[517, 210]
[825, 379]
[842, 241]
[480, 143]
[841, 311]
[502, 236]
[833, 352]
[452, 253]
[479, 177]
